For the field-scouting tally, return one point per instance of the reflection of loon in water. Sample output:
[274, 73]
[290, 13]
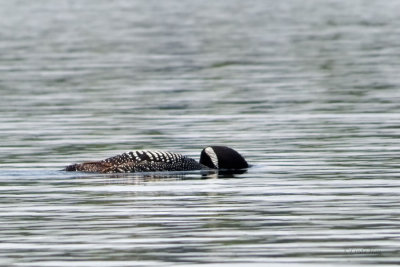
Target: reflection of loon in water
[212, 157]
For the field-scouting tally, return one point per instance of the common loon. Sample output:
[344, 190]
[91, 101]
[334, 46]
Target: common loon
[212, 157]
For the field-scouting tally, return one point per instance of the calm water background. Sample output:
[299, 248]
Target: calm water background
[307, 91]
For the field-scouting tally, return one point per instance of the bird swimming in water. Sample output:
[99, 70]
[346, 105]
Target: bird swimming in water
[212, 157]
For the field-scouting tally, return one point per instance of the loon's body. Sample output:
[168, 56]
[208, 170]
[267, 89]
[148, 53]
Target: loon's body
[213, 157]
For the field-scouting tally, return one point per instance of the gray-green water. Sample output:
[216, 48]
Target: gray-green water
[307, 91]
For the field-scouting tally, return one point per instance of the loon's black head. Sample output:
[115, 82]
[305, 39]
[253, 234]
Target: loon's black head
[222, 157]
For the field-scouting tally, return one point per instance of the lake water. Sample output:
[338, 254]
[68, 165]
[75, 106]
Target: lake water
[307, 91]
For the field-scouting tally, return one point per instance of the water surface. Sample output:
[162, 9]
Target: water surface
[306, 91]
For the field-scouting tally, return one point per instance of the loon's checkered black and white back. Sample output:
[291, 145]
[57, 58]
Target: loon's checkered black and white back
[140, 161]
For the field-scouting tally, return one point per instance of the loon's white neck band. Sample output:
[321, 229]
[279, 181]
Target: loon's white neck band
[211, 153]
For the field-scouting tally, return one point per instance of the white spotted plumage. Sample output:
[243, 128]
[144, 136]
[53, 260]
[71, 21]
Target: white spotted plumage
[139, 160]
